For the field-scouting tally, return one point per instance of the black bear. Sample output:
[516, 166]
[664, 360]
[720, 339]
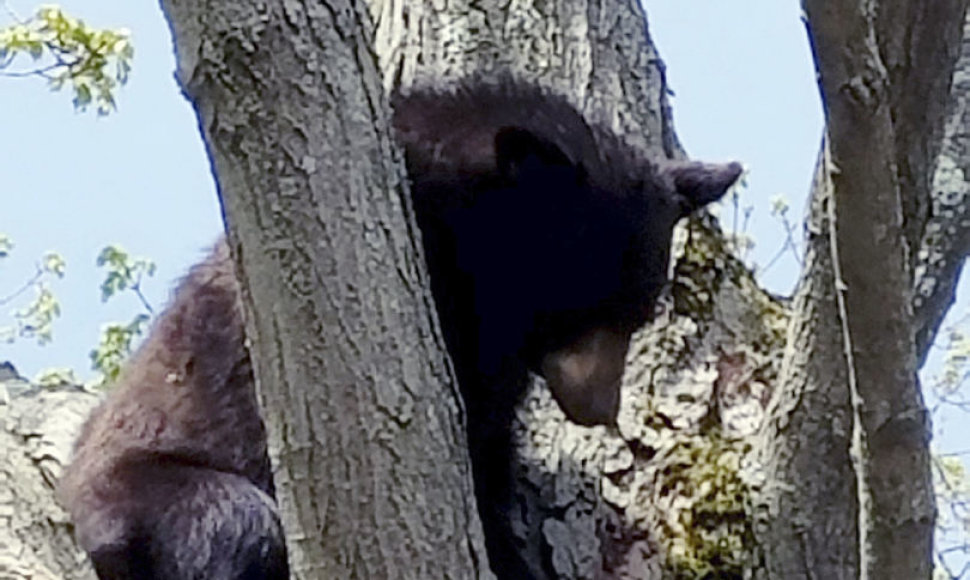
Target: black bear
[547, 241]
[170, 476]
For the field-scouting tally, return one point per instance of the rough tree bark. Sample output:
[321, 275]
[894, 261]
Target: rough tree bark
[371, 472]
[37, 428]
[365, 419]
[944, 230]
[848, 397]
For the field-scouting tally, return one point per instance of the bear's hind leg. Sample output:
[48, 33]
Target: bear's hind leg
[218, 526]
[123, 562]
[187, 522]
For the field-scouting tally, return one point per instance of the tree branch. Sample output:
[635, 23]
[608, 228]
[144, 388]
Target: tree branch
[945, 240]
[919, 43]
[883, 75]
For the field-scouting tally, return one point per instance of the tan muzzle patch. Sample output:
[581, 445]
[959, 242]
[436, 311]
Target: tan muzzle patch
[585, 377]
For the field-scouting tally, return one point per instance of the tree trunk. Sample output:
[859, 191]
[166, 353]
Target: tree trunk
[371, 472]
[848, 400]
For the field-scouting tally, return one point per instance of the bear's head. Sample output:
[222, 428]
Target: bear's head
[558, 234]
[587, 250]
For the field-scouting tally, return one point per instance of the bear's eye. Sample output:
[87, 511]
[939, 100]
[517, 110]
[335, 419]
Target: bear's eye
[668, 204]
[686, 206]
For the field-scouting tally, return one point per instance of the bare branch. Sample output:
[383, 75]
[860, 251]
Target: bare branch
[30, 283]
[918, 44]
[945, 240]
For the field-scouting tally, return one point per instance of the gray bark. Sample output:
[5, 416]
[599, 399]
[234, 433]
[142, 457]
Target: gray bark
[806, 506]
[370, 465]
[37, 429]
[848, 400]
[598, 53]
[945, 235]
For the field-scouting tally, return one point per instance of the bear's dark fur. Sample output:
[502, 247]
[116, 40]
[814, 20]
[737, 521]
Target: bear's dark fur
[547, 241]
[170, 476]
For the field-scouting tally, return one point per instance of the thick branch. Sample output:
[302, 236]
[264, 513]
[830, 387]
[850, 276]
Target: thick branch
[37, 429]
[945, 239]
[918, 45]
[872, 181]
[807, 509]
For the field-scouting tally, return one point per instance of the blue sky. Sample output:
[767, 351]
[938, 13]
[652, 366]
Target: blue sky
[74, 182]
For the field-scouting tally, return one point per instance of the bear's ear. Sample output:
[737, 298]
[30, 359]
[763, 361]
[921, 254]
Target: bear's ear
[520, 153]
[698, 184]
[585, 376]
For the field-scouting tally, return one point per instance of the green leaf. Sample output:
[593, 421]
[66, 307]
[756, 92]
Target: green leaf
[124, 272]
[94, 61]
[54, 263]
